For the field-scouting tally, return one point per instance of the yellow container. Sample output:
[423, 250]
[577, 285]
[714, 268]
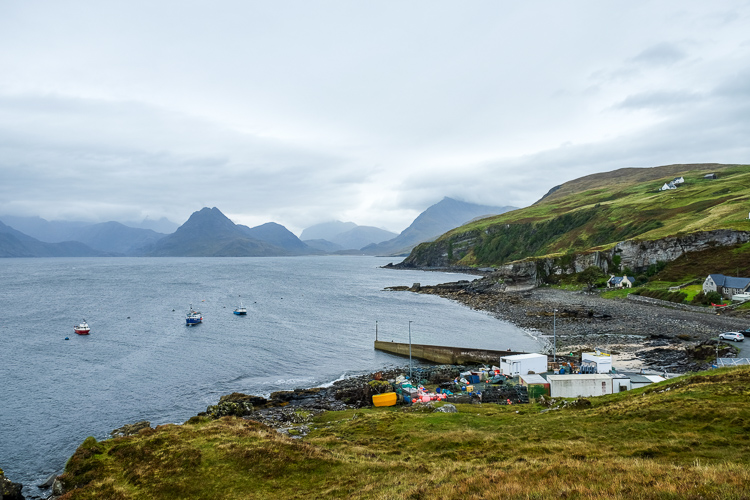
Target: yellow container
[469, 388]
[387, 399]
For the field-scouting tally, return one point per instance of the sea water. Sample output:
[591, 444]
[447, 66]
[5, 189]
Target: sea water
[310, 320]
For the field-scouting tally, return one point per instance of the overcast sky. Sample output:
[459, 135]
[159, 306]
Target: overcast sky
[300, 112]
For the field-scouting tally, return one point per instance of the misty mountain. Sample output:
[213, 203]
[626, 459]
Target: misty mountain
[117, 238]
[344, 235]
[163, 225]
[326, 230]
[109, 237]
[277, 235]
[433, 222]
[324, 246]
[361, 236]
[14, 243]
[44, 230]
[209, 233]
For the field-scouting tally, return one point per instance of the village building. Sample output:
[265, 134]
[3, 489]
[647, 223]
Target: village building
[597, 384]
[667, 186]
[727, 286]
[678, 180]
[620, 282]
[596, 362]
[523, 364]
[710, 176]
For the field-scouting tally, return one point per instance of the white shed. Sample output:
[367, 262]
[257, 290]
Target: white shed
[602, 360]
[573, 386]
[620, 382]
[522, 364]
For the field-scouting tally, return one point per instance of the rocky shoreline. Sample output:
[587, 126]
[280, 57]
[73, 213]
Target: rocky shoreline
[641, 335]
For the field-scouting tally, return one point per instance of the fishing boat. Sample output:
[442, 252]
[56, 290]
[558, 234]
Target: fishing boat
[193, 317]
[82, 328]
[241, 310]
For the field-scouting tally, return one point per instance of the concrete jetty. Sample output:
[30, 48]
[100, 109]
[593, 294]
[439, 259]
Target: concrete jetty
[444, 355]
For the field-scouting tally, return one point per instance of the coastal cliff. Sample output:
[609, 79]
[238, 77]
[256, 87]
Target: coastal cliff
[636, 255]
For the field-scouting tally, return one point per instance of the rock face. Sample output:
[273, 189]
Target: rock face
[8, 489]
[638, 255]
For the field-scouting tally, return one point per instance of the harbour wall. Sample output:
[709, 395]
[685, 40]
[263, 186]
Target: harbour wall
[444, 355]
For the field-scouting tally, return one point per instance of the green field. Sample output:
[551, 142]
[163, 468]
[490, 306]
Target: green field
[684, 438]
[597, 211]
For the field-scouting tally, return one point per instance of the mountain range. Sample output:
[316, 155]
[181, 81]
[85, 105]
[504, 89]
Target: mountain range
[208, 232]
[337, 236]
[433, 222]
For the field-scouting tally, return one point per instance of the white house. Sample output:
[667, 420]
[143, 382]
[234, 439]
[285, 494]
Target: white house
[620, 281]
[727, 286]
[678, 180]
[667, 186]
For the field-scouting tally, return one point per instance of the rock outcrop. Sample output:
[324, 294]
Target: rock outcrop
[8, 489]
[526, 274]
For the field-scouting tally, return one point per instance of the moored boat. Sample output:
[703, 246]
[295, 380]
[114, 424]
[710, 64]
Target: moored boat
[193, 317]
[82, 328]
[241, 310]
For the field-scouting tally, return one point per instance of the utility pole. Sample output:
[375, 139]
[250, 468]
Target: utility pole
[554, 335]
[410, 351]
[376, 330]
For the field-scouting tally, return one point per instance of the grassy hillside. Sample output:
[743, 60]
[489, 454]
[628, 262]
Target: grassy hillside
[685, 438]
[597, 211]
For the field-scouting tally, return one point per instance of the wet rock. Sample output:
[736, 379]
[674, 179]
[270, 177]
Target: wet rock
[130, 429]
[449, 408]
[46, 484]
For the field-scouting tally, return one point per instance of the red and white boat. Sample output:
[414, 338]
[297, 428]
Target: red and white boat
[82, 328]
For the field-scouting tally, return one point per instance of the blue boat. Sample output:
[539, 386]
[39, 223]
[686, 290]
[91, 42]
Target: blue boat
[240, 311]
[193, 317]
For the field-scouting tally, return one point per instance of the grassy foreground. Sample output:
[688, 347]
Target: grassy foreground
[685, 438]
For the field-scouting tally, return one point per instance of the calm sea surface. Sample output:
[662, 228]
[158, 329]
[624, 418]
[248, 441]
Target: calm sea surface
[310, 321]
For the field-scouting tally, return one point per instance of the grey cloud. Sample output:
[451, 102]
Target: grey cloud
[660, 54]
[660, 99]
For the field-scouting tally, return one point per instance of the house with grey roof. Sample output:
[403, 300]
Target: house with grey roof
[620, 282]
[726, 285]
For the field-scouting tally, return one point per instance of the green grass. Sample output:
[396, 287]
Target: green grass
[685, 438]
[596, 212]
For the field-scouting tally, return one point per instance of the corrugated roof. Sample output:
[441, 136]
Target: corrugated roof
[580, 376]
[516, 357]
[532, 379]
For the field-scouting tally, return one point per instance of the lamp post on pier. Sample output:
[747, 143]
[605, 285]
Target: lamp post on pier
[554, 335]
[410, 350]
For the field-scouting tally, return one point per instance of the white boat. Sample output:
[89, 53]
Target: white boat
[82, 328]
[241, 310]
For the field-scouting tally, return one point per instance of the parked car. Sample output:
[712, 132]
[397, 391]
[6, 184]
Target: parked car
[736, 336]
[745, 331]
